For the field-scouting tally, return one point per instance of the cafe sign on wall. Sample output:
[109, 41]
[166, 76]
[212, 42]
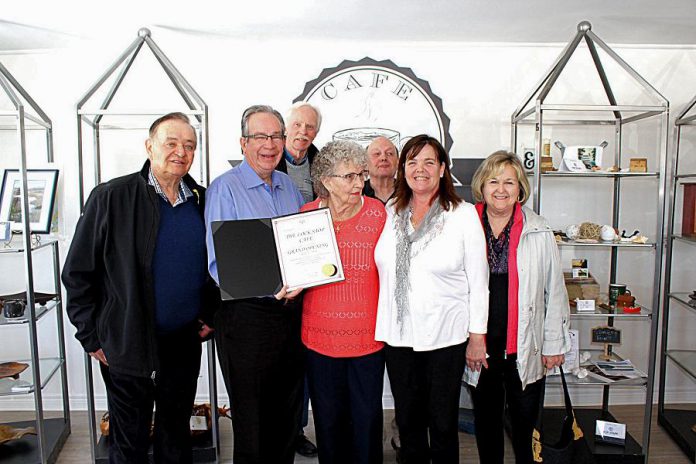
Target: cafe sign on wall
[361, 100]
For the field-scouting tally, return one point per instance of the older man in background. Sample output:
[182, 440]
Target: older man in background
[303, 124]
[382, 160]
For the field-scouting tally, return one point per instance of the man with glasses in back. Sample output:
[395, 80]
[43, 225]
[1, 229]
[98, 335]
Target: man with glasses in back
[259, 345]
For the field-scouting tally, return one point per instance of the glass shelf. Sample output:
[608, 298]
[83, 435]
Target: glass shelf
[593, 379]
[17, 245]
[604, 313]
[685, 238]
[683, 298]
[573, 243]
[686, 359]
[595, 174]
[48, 368]
[40, 311]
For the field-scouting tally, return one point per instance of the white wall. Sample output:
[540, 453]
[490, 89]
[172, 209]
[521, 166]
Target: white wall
[480, 84]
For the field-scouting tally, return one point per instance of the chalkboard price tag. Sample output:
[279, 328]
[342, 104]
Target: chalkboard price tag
[610, 335]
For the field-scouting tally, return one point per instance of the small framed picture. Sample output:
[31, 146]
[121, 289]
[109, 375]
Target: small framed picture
[5, 232]
[41, 189]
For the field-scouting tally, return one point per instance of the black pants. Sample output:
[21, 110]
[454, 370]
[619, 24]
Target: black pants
[426, 386]
[347, 404]
[263, 363]
[498, 386]
[173, 391]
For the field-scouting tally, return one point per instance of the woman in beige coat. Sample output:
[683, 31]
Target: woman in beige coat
[528, 317]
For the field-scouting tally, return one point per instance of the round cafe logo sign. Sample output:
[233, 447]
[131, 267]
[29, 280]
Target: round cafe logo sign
[361, 100]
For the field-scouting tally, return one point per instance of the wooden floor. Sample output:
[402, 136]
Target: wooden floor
[662, 448]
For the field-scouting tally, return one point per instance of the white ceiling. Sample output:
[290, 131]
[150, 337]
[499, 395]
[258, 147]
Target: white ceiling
[43, 24]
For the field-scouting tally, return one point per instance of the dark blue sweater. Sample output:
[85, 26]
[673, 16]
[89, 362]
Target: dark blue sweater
[179, 265]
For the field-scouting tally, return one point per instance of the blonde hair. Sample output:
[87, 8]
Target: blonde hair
[493, 166]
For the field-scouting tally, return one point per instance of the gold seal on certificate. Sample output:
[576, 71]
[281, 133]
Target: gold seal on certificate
[307, 251]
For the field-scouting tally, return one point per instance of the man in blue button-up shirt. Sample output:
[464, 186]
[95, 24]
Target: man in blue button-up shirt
[260, 349]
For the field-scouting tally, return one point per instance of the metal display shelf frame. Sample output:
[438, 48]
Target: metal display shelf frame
[194, 106]
[51, 433]
[677, 421]
[536, 111]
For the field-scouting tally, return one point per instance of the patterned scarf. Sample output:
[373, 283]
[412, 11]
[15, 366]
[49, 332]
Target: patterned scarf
[430, 227]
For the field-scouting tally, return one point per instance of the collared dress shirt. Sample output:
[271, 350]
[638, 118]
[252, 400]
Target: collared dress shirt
[183, 193]
[241, 194]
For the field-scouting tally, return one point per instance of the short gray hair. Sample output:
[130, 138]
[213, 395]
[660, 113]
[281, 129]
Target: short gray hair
[334, 153]
[252, 110]
[301, 104]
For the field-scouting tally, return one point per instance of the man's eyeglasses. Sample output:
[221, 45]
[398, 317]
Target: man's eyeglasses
[351, 176]
[263, 137]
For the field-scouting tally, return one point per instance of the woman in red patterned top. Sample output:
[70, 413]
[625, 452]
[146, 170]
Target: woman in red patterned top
[345, 365]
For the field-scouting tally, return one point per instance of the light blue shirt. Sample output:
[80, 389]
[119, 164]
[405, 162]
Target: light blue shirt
[241, 194]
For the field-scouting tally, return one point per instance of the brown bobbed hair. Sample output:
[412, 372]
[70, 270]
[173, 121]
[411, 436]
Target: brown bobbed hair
[447, 195]
[492, 167]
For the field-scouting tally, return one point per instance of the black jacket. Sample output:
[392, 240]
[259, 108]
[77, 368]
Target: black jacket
[108, 274]
[311, 153]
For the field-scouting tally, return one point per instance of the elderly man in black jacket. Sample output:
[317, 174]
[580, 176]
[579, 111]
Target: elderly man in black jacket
[138, 292]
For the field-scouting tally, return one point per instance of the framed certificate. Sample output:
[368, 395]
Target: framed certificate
[256, 257]
[307, 250]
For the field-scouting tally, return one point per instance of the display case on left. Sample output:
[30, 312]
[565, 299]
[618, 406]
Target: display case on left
[31, 322]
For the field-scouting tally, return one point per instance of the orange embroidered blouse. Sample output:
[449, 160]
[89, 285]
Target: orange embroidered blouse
[338, 319]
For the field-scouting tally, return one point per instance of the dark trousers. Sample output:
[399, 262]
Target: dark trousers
[173, 391]
[347, 404]
[262, 360]
[426, 386]
[498, 386]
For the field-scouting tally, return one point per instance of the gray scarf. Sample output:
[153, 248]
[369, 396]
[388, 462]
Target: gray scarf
[405, 250]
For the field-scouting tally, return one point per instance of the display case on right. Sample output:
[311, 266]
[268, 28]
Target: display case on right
[592, 135]
[676, 399]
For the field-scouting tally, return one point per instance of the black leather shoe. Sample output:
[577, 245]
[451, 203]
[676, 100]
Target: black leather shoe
[304, 447]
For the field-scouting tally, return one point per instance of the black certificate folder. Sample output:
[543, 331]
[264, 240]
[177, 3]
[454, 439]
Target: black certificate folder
[256, 256]
[246, 258]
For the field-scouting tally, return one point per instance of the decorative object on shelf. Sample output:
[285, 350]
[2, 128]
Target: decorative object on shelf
[608, 336]
[104, 424]
[608, 234]
[202, 421]
[13, 309]
[635, 237]
[615, 290]
[571, 447]
[589, 156]
[614, 168]
[589, 231]
[572, 231]
[547, 164]
[638, 165]
[631, 309]
[581, 289]
[8, 433]
[613, 433]
[41, 184]
[579, 268]
[12, 369]
[625, 300]
[528, 158]
[39, 298]
[692, 299]
[689, 209]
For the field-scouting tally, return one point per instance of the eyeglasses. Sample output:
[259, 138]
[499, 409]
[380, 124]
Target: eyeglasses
[263, 137]
[351, 176]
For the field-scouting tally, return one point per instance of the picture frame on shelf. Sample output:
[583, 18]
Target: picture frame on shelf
[41, 186]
